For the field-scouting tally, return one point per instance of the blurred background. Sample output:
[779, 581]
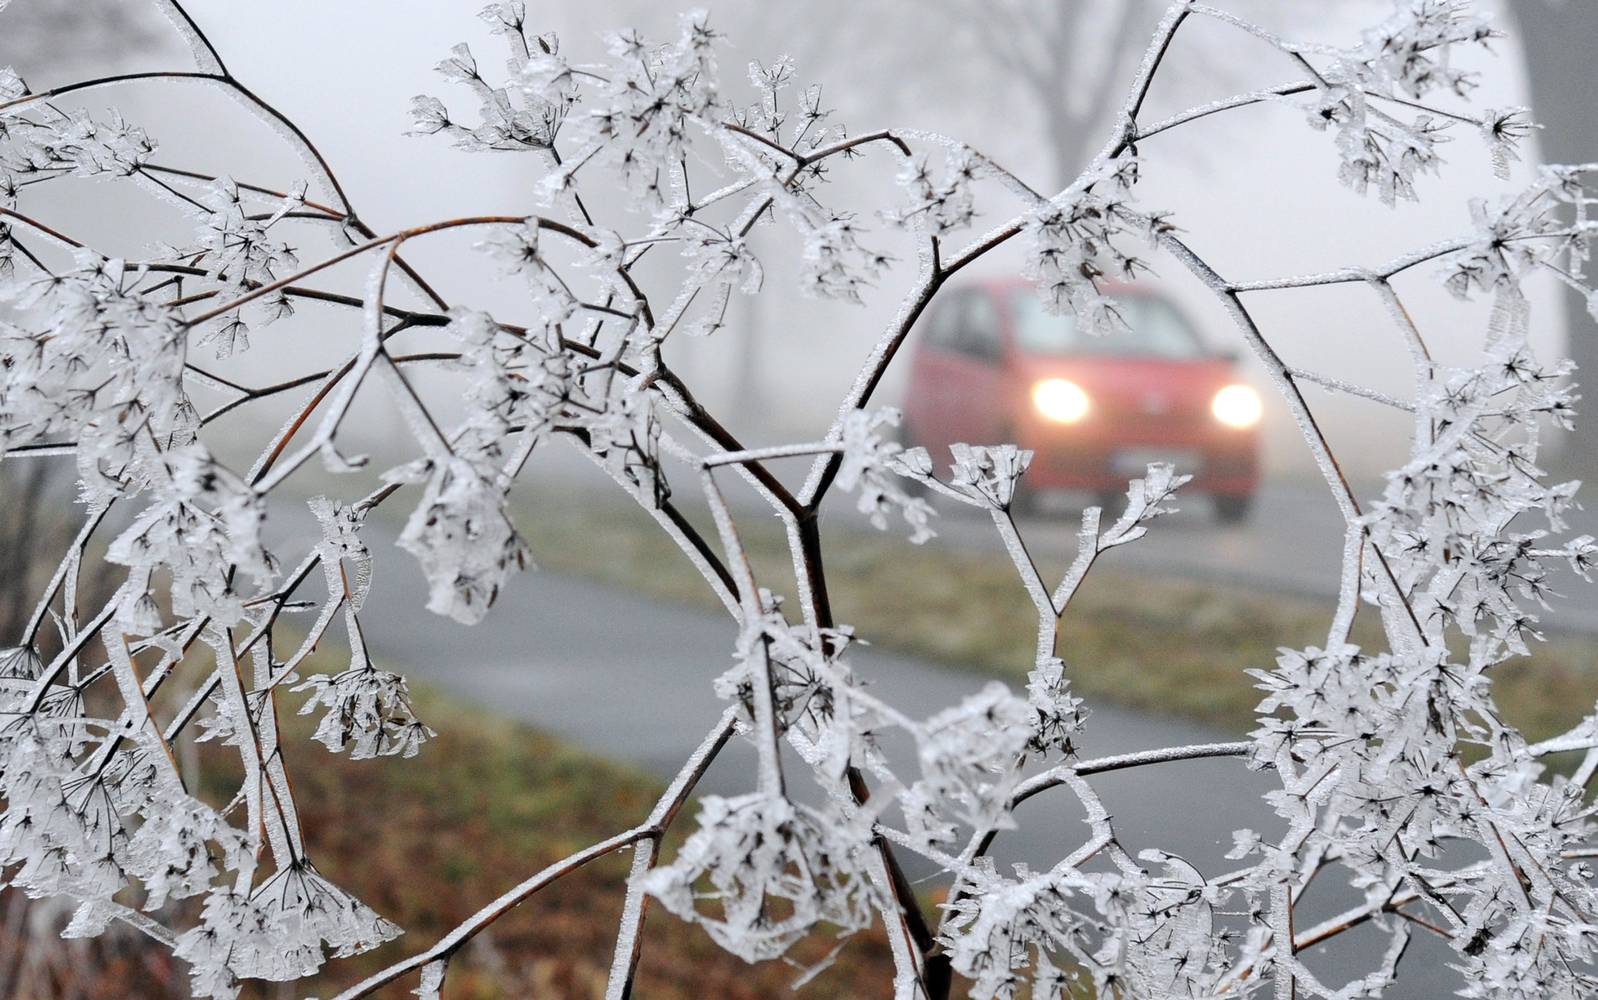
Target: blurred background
[1031, 82]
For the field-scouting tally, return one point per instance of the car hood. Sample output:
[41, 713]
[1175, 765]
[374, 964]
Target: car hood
[1138, 386]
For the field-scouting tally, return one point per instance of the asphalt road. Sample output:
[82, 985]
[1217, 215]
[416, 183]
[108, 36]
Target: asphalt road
[631, 679]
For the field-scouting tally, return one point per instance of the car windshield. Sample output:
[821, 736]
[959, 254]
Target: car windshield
[1154, 329]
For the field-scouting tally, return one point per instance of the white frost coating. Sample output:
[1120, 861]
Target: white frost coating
[205, 57]
[1341, 385]
[1396, 773]
[431, 986]
[625, 959]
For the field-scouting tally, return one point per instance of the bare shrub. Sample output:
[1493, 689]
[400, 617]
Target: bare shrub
[1396, 773]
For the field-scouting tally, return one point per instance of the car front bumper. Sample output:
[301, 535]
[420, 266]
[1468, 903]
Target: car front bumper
[1221, 464]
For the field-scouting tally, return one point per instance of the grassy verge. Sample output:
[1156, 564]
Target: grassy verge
[1158, 644]
[428, 841]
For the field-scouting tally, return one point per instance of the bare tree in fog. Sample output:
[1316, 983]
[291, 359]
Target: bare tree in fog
[1058, 65]
[1070, 59]
[1396, 777]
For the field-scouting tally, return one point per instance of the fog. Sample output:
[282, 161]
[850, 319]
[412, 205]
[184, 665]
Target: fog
[1254, 190]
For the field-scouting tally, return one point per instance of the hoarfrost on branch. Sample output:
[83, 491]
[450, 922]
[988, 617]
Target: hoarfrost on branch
[100, 354]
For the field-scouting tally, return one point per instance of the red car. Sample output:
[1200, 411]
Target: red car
[992, 366]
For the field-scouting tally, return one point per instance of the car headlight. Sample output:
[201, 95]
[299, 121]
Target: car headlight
[1237, 406]
[1060, 400]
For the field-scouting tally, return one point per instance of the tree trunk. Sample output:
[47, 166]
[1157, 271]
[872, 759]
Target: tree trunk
[1559, 40]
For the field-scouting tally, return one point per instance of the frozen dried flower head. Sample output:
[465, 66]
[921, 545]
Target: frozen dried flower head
[1078, 240]
[20, 663]
[989, 473]
[203, 527]
[938, 202]
[367, 712]
[1004, 926]
[1060, 714]
[971, 756]
[462, 536]
[1382, 141]
[761, 871]
[873, 467]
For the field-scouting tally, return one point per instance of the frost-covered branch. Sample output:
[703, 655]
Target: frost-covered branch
[646, 151]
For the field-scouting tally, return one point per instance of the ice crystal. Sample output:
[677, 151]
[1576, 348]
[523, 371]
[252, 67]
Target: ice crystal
[366, 711]
[989, 473]
[463, 537]
[872, 468]
[1078, 240]
[771, 870]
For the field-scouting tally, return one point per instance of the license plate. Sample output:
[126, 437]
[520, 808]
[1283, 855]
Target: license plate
[1136, 461]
